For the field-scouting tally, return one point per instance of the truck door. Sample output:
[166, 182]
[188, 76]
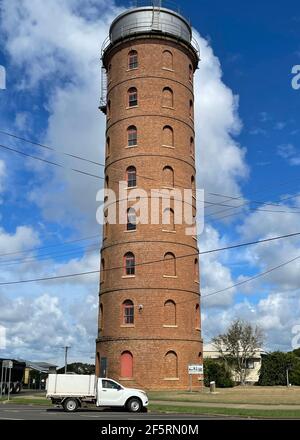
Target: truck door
[110, 393]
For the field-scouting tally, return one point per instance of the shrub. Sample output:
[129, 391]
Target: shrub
[274, 366]
[217, 371]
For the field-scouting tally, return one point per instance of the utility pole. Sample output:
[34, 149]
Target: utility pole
[287, 377]
[66, 348]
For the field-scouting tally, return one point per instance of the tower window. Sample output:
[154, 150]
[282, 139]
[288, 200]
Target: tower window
[132, 97]
[191, 109]
[197, 317]
[101, 321]
[171, 365]
[106, 181]
[170, 313]
[109, 109]
[168, 220]
[196, 269]
[168, 136]
[102, 270]
[128, 312]
[131, 219]
[133, 60]
[131, 177]
[108, 147]
[132, 136]
[192, 147]
[168, 97]
[167, 60]
[168, 177]
[169, 265]
[191, 72]
[129, 264]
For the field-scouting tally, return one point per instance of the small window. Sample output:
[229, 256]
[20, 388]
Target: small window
[168, 136]
[168, 97]
[131, 177]
[108, 147]
[131, 219]
[132, 97]
[168, 220]
[193, 184]
[191, 73]
[129, 264]
[169, 265]
[171, 365]
[249, 364]
[128, 312]
[196, 270]
[191, 109]
[132, 136]
[197, 317]
[192, 147]
[168, 177]
[168, 60]
[109, 109]
[170, 313]
[106, 181]
[133, 60]
[101, 320]
[102, 270]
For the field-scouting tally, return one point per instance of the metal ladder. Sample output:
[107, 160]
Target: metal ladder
[156, 15]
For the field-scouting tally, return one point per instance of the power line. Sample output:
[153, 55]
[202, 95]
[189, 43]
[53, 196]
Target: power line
[47, 147]
[151, 262]
[49, 162]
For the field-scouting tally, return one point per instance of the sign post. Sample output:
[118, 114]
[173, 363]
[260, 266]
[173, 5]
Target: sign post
[7, 366]
[194, 369]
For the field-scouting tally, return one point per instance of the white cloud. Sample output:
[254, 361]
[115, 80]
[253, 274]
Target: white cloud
[290, 153]
[220, 159]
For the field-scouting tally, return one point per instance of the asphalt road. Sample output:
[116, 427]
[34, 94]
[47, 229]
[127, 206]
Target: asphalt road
[27, 412]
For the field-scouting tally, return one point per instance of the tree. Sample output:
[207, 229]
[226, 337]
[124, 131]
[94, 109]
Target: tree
[216, 370]
[238, 345]
[274, 368]
[78, 368]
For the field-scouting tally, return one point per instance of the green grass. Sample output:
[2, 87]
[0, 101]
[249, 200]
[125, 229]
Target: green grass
[253, 413]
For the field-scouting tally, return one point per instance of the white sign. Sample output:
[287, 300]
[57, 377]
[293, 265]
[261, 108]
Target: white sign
[195, 369]
[7, 364]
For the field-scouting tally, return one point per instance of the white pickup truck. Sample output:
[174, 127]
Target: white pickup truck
[72, 390]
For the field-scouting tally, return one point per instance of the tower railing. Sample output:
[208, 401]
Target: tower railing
[167, 4]
[171, 29]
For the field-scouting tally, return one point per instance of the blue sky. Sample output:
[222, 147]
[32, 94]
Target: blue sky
[248, 132]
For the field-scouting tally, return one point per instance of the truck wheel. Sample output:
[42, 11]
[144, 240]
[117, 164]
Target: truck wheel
[134, 405]
[17, 388]
[70, 405]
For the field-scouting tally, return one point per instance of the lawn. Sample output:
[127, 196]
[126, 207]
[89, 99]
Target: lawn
[239, 395]
[253, 413]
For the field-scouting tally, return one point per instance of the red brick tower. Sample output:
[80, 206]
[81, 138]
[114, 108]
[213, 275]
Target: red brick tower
[149, 313]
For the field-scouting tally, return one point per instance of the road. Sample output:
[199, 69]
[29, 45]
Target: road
[28, 412]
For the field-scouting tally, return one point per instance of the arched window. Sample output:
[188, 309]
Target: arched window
[101, 320]
[191, 73]
[129, 264]
[106, 229]
[131, 177]
[170, 313]
[132, 97]
[192, 147]
[168, 136]
[191, 109]
[128, 312]
[169, 265]
[132, 136]
[102, 270]
[196, 270]
[168, 220]
[197, 317]
[108, 147]
[126, 365]
[168, 177]
[109, 109]
[106, 181]
[171, 365]
[168, 97]
[193, 184]
[133, 60]
[167, 60]
[131, 219]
